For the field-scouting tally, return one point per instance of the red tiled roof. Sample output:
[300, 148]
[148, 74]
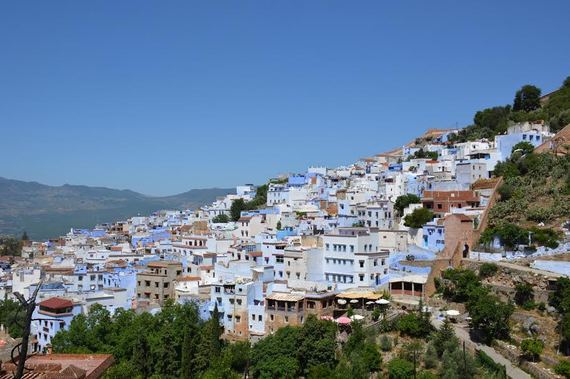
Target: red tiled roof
[56, 303]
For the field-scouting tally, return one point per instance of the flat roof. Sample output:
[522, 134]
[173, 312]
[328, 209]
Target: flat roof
[420, 279]
[283, 296]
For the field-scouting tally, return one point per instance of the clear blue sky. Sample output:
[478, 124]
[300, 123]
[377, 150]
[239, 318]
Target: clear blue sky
[164, 96]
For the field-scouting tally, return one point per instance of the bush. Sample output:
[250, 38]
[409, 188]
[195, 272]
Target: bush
[400, 369]
[524, 294]
[414, 325]
[430, 357]
[563, 368]
[385, 343]
[487, 270]
[532, 348]
[376, 314]
[506, 191]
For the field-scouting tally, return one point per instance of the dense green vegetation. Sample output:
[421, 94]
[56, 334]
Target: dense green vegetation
[11, 246]
[402, 202]
[487, 270]
[526, 106]
[175, 343]
[422, 154]
[535, 190]
[560, 299]
[221, 219]
[489, 315]
[258, 201]
[418, 218]
[12, 317]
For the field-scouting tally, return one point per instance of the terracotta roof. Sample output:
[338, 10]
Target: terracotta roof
[56, 303]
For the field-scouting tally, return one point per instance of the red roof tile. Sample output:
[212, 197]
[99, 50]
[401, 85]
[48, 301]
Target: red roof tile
[56, 303]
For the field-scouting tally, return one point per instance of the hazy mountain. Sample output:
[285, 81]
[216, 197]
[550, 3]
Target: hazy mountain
[49, 211]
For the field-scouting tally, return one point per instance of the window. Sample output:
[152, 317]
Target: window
[217, 290]
[361, 263]
[286, 318]
[260, 318]
[271, 317]
[361, 276]
[166, 284]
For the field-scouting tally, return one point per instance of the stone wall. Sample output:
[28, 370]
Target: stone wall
[507, 277]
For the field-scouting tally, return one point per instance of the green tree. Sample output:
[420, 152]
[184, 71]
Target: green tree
[403, 201]
[418, 218]
[490, 316]
[10, 246]
[12, 317]
[273, 355]
[371, 357]
[238, 205]
[527, 98]
[524, 294]
[444, 336]
[431, 358]
[221, 218]
[140, 354]
[524, 147]
[494, 119]
[413, 325]
[412, 352]
[317, 343]
[457, 363]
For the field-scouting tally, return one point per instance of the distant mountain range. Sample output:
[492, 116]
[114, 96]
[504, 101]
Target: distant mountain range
[49, 211]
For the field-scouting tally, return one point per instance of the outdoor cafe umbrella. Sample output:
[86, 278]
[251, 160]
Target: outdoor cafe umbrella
[453, 312]
[341, 301]
[343, 320]
[382, 301]
[356, 317]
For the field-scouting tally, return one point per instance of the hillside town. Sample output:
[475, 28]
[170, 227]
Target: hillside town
[338, 243]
